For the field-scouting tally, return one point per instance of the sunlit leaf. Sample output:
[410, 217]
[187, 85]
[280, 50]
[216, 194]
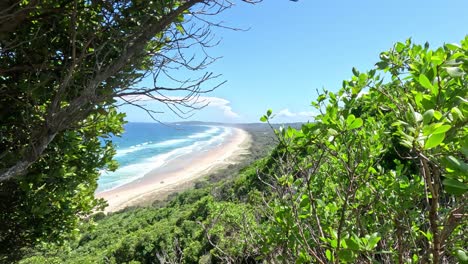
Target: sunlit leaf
[424, 81]
[455, 71]
[462, 256]
[355, 123]
[269, 112]
[434, 140]
[452, 46]
[442, 129]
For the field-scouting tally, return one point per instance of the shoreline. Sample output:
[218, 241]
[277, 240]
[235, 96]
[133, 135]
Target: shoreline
[178, 174]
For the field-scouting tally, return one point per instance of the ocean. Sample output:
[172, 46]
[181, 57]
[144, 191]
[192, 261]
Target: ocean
[145, 147]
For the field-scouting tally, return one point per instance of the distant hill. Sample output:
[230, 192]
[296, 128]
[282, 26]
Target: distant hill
[254, 126]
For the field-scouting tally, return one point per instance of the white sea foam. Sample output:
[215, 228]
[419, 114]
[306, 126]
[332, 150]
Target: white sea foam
[209, 132]
[132, 172]
[166, 143]
[148, 145]
[219, 138]
[170, 142]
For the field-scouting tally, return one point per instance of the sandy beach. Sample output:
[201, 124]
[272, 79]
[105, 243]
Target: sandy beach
[177, 174]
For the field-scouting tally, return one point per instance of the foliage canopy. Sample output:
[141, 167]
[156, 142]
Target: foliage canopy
[380, 176]
[63, 64]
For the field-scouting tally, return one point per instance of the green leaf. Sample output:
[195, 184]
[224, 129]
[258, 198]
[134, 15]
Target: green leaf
[321, 98]
[457, 164]
[455, 71]
[434, 140]
[355, 72]
[382, 65]
[305, 202]
[428, 235]
[455, 187]
[453, 62]
[424, 81]
[437, 115]
[429, 129]
[418, 99]
[457, 114]
[356, 90]
[427, 116]
[290, 132]
[356, 123]
[452, 46]
[350, 119]
[352, 244]
[263, 118]
[346, 255]
[269, 112]
[180, 28]
[329, 255]
[461, 256]
[332, 132]
[399, 47]
[373, 240]
[442, 129]
[333, 243]
[437, 60]
[417, 117]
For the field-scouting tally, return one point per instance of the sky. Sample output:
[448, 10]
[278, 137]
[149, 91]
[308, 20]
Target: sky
[294, 48]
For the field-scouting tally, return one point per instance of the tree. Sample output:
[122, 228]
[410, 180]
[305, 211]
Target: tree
[63, 65]
[62, 61]
[381, 175]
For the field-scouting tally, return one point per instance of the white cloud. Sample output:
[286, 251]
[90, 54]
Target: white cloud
[219, 104]
[286, 113]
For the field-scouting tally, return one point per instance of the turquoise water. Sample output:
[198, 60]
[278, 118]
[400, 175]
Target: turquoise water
[148, 146]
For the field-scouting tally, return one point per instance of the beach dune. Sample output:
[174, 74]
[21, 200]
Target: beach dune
[177, 174]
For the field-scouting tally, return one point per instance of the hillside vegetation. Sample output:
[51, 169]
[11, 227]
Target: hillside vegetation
[379, 177]
[65, 69]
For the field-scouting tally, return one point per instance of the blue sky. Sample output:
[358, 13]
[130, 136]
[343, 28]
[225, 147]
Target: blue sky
[294, 48]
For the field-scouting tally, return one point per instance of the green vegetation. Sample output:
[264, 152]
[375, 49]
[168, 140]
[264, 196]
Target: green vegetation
[63, 65]
[185, 230]
[59, 188]
[379, 177]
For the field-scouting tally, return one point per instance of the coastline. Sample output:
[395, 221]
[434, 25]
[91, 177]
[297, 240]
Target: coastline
[178, 174]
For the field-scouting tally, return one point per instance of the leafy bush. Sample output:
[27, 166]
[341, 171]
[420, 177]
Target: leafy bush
[381, 174]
